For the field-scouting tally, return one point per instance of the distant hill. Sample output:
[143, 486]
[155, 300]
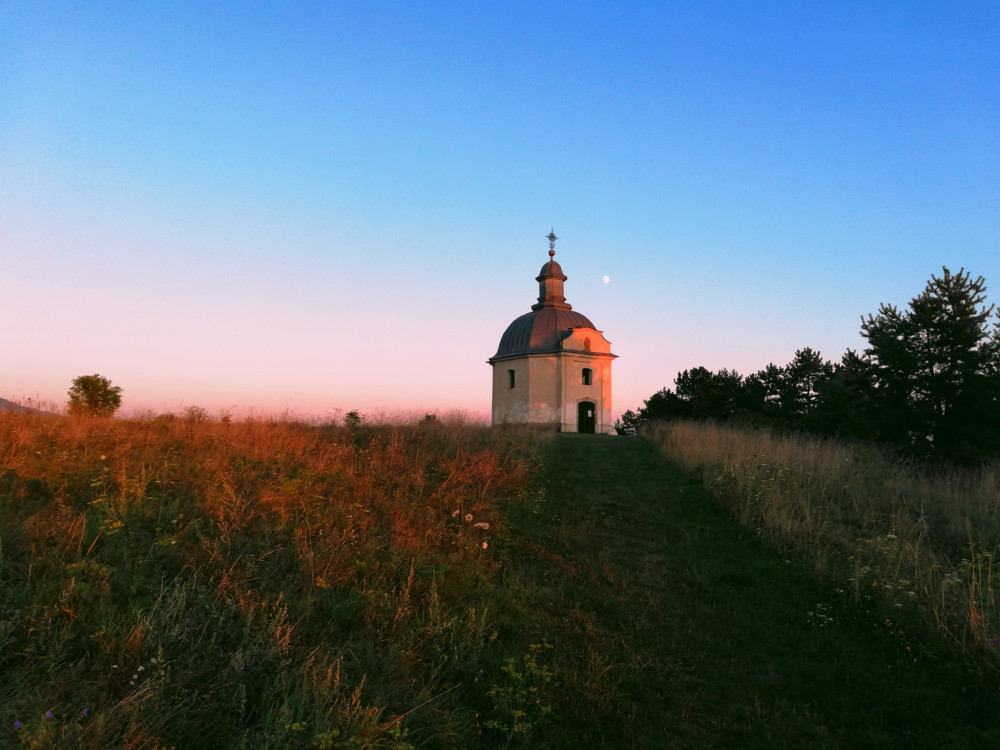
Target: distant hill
[6, 405]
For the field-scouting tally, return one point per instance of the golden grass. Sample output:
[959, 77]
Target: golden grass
[238, 567]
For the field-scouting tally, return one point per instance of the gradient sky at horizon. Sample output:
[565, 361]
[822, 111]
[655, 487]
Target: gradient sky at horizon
[323, 206]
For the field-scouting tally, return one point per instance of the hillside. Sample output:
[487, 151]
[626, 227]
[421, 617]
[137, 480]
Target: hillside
[269, 584]
[10, 406]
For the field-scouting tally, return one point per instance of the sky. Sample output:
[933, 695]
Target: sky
[316, 207]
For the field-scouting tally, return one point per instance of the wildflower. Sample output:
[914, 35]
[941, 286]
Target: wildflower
[468, 517]
[484, 526]
[455, 514]
[140, 669]
[103, 457]
[17, 725]
[85, 712]
[485, 545]
[48, 715]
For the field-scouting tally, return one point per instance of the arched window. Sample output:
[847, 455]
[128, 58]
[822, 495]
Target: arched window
[510, 378]
[588, 376]
[586, 344]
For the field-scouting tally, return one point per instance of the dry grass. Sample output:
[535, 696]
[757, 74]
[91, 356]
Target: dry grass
[264, 583]
[892, 530]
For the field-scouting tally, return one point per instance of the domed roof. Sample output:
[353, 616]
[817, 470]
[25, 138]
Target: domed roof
[552, 269]
[539, 331]
[550, 319]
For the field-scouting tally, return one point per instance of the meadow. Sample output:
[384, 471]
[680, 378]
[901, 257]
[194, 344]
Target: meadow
[910, 535]
[193, 583]
[173, 582]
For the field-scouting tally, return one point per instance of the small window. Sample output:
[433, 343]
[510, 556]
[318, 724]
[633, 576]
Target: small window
[588, 376]
[586, 344]
[510, 378]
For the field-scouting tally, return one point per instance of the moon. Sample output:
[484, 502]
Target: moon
[606, 279]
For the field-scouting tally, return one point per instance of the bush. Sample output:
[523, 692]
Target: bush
[94, 395]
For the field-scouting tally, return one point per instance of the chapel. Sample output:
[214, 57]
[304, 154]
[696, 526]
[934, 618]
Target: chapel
[553, 366]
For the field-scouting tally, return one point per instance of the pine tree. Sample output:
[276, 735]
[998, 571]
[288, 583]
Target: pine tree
[935, 370]
[804, 377]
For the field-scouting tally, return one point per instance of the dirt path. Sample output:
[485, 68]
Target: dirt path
[684, 630]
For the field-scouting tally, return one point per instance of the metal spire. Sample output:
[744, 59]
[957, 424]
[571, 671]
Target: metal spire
[551, 237]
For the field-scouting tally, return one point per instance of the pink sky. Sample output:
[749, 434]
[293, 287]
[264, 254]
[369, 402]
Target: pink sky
[321, 207]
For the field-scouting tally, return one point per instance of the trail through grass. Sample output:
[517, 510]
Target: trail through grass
[680, 628]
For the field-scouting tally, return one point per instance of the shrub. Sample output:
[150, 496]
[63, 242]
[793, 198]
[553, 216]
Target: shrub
[94, 395]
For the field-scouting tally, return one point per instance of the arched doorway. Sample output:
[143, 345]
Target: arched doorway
[585, 417]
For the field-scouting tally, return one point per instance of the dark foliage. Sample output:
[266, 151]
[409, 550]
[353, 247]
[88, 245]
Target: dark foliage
[94, 395]
[927, 384]
[934, 369]
[627, 423]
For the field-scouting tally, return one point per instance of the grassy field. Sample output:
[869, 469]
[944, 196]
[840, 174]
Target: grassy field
[168, 583]
[266, 584]
[906, 535]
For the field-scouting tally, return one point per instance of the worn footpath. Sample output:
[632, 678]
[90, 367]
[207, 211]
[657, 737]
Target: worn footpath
[682, 629]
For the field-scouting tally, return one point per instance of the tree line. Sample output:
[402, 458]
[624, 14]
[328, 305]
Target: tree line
[927, 385]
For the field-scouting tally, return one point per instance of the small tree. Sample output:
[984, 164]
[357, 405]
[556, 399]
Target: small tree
[805, 376]
[664, 404]
[94, 395]
[627, 423]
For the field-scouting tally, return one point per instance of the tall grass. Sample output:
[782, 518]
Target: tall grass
[189, 583]
[888, 530]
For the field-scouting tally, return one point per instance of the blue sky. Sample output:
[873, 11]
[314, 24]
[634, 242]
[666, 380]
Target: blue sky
[328, 205]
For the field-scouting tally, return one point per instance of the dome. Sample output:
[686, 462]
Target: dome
[551, 269]
[539, 331]
[550, 319]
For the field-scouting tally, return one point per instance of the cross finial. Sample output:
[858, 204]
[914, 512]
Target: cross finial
[551, 237]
